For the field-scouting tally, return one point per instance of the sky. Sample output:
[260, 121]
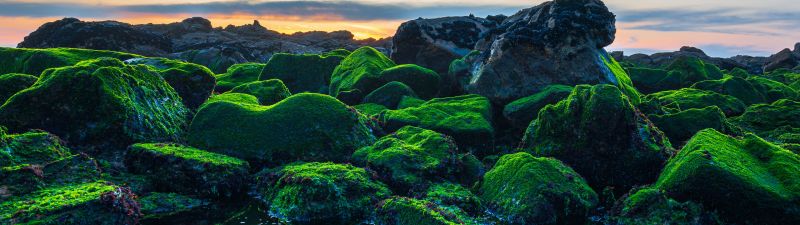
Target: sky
[720, 27]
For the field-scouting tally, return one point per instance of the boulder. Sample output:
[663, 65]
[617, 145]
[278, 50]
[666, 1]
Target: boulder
[34, 61]
[238, 74]
[303, 127]
[239, 98]
[454, 195]
[23, 179]
[683, 72]
[423, 81]
[402, 210]
[268, 92]
[681, 126]
[774, 90]
[522, 111]
[390, 95]
[783, 59]
[99, 103]
[601, 135]
[33, 147]
[689, 98]
[653, 206]
[194, 83]
[734, 86]
[522, 189]
[358, 75]
[12, 83]
[763, 119]
[160, 207]
[303, 72]
[102, 35]
[218, 59]
[557, 42]
[319, 192]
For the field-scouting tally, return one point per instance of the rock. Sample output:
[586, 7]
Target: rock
[402, 210]
[370, 109]
[522, 189]
[217, 59]
[557, 42]
[434, 43]
[187, 170]
[423, 81]
[522, 111]
[783, 59]
[103, 35]
[34, 61]
[33, 147]
[304, 127]
[194, 83]
[316, 192]
[389, 95]
[239, 98]
[458, 75]
[454, 195]
[683, 72]
[712, 167]
[681, 126]
[763, 119]
[774, 90]
[653, 206]
[101, 104]
[304, 72]
[734, 86]
[426, 156]
[159, 206]
[689, 98]
[268, 92]
[238, 74]
[662, 59]
[86, 203]
[358, 75]
[23, 179]
[465, 118]
[602, 136]
[12, 83]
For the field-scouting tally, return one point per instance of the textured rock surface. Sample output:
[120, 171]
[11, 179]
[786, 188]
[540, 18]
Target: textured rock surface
[104, 35]
[12, 83]
[783, 59]
[194, 83]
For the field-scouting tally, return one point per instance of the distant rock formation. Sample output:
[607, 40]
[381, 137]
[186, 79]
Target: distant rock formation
[751, 64]
[103, 35]
[786, 58]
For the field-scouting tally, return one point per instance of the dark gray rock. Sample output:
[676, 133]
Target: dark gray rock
[104, 35]
[783, 59]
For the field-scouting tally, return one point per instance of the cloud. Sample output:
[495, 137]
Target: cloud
[720, 20]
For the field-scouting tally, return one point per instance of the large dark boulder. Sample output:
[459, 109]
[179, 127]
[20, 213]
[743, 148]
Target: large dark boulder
[783, 59]
[103, 35]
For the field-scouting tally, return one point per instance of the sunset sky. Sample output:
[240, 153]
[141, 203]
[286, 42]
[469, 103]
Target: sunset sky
[720, 27]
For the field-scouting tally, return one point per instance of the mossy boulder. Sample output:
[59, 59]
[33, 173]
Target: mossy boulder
[370, 109]
[12, 83]
[238, 74]
[408, 102]
[390, 95]
[268, 92]
[747, 180]
[450, 194]
[303, 72]
[99, 103]
[522, 111]
[359, 74]
[305, 126]
[734, 86]
[653, 206]
[681, 73]
[774, 90]
[187, 170]
[33, 147]
[466, 118]
[423, 81]
[690, 98]
[412, 158]
[320, 192]
[522, 189]
[160, 207]
[85, 203]
[601, 135]
[26, 178]
[35, 61]
[763, 119]
[402, 210]
[681, 126]
[239, 98]
[193, 82]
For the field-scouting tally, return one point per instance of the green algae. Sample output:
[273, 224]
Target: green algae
[522, 111]
[238, 74]
[401, 210]
[681, 126]
[390, 95]
[304, 72]
[193, 82]
[268, 92]
[35, 61]
[423, 81]
[33, 147]
[358, 74]
[689, 98]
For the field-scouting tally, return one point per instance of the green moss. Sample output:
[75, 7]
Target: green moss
[689, 98]
[401, 210]
[621, 78]
[423, 81]
[653, 206]
[33, 147]
[237, 75]
[740, 73]
[26, 178]
[681, 126]
[681, 73]
[320, 192]
[747, 180]
[458, 74]
[599, 132]
[449, 194]
[370, 109]
[522, 189]
[736, 87]
[390, 95]
[186, 153]
[522, 111]
[763, 119]
[238, 98]
[70, 204]
[774, 90]
[425, 156]
[408, 102]
[359, 74]
[102, 103]
[159, 205]
[304, 72]
[34, 61]
[466, 118]
[268, 92]
[308, 127]
[12, 83]
[193, 82]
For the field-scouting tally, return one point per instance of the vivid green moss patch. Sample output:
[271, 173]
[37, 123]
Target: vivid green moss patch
[734, 86]
[193, 82]
[689, 98]
[681, 73]
[653, 206]
[22, 179]
[522, 111]
[390, 95]
[268, 92]
[30, 148]
[621, 78]
[70, 204]
[239, 98]
[359, 74]
[782, 116]
[402, 210]
[35, 61]
[303, 72]
[238, 74]
[423, 81]
[681, 126]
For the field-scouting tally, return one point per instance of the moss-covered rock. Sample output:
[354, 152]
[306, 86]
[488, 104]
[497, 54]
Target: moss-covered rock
[401, 210]
[681, 126]
[160, 207]
[34, 61]
[86, 203]
[187, 170]
[193, 82]
[370, 109]
[522, 189]
[239, 98]
[390, 95]
[599, 132]
[238, 74]
[690, 98]
[739, 72]
[774, 90]
[268, 92]
[26, 178]
[450, 194]
[747, 180]
[423, 81]
[359, 74]
[734, 86]
[764, 119]
[411, 158]
[12, 83]
[303, 72]
[653, 206]
[34, 147]
[683, 72]
[522, 111]
[320, 192]
[305, 126]
[458, 74]
[100, 103]
[466, 118]
[408, 102]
